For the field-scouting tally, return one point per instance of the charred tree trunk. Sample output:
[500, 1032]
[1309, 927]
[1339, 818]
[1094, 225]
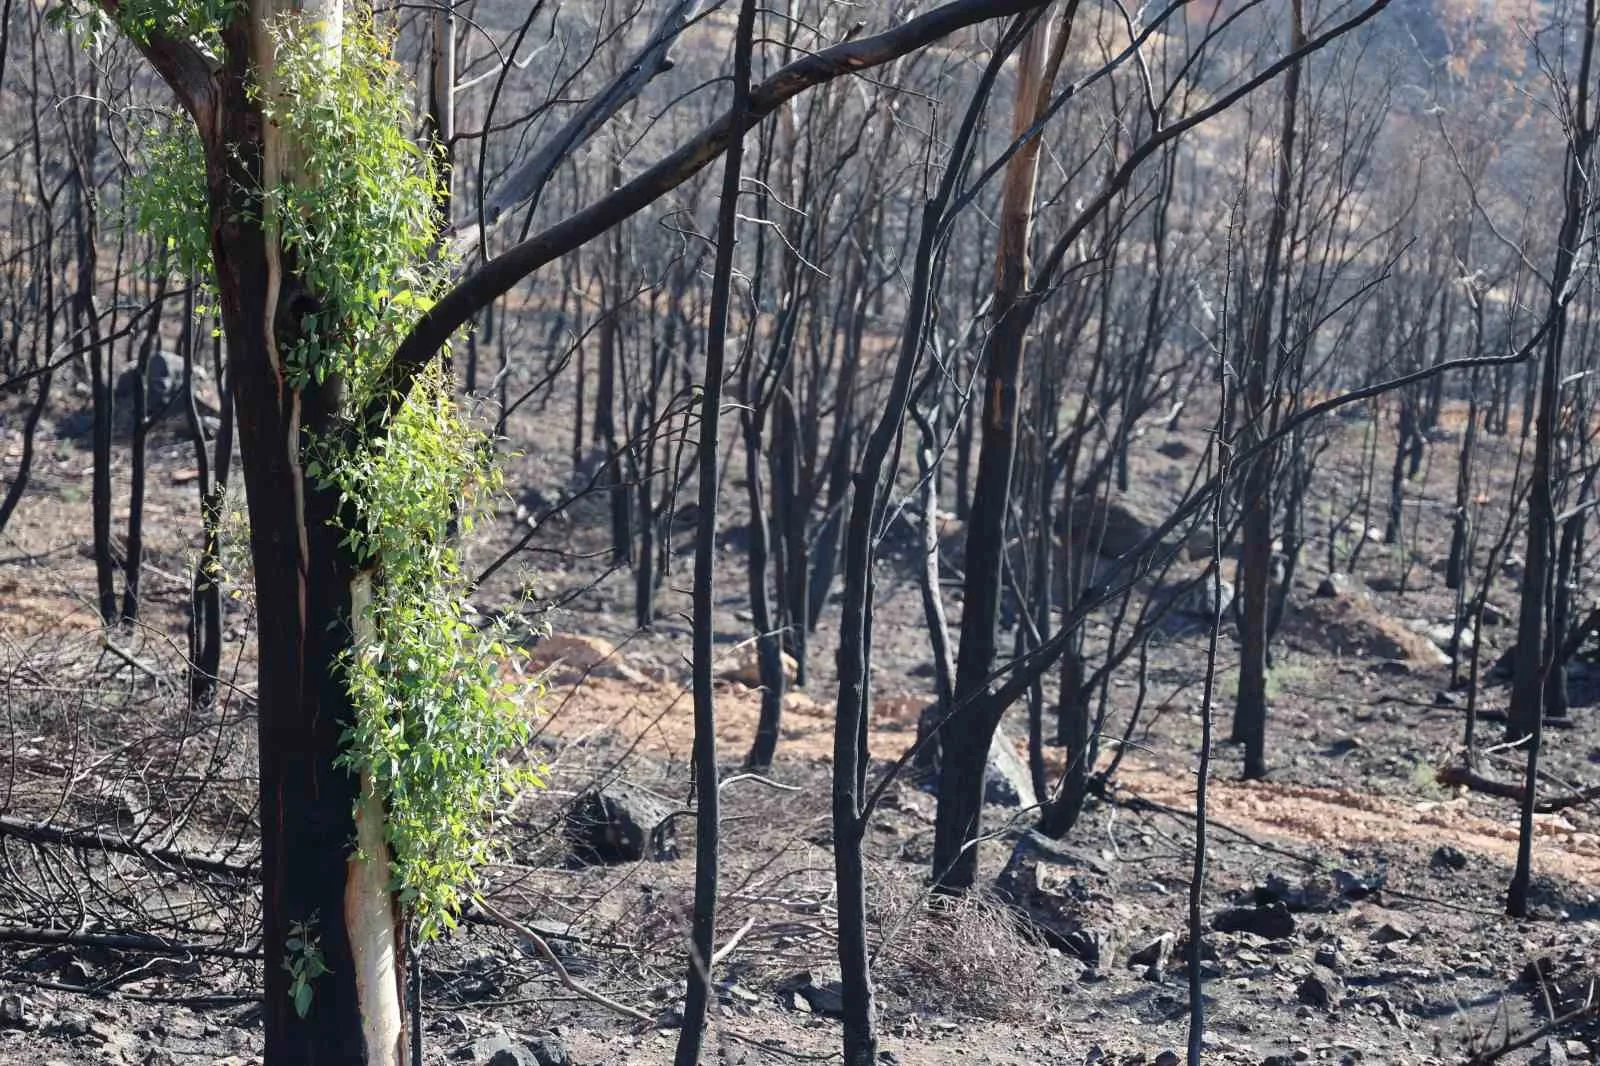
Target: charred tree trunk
[87, 313]
[1534, 652]
[971, 727]
[769, 648]
[133, 556]
[206, 604]
[1255, 558]
[703, 928]
[1456, 568]
[30, 433]
[605, 393]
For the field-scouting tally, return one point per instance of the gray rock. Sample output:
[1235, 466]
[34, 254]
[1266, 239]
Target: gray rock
[163, 386]
[15, 1012]
[620, 824]
[1551, 1053]
[544, 1050]
[1322, 990]
[1007, 782]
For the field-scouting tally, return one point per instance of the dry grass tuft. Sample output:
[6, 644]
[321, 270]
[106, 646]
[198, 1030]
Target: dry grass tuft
[959, 958]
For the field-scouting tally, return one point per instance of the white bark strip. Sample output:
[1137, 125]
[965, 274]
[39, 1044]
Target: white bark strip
[368, 905]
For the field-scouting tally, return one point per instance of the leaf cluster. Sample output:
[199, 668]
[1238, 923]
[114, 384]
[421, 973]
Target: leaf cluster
[435, 715]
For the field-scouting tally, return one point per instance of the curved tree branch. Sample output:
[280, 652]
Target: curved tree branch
[496, 277]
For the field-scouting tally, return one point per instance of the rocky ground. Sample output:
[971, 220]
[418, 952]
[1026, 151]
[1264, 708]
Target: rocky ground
[1356, 901]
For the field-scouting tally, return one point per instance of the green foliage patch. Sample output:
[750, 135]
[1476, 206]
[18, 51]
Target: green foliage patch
[436, 712]
[435, 715]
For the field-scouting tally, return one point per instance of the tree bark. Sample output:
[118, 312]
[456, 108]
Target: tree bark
[707, 808]
[1255, 559]
[968, 733]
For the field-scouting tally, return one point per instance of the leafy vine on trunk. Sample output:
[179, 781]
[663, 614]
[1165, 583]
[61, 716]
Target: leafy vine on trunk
[433, 711]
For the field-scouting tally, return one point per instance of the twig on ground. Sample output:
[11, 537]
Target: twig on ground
[1533, 1036]
[122, 942]
[94, 840]
[733, 941]
[566, 979]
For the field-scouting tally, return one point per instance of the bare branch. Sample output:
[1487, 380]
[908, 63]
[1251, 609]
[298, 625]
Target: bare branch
[496, 277]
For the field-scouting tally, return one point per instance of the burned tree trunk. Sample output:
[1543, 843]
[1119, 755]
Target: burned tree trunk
[1255, 558]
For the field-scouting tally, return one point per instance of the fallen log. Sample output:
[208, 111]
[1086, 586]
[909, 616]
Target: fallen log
[1459, 776]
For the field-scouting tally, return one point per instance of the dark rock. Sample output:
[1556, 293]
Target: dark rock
[1329, 957]
[1272, 921]
[1155, 951]
[1322, 990]
[1111, 528]
[1340, 586]
[620, 824]
[1168, 1058]
[1448, 857]
[1175, 449]
[802, 992]
[1390, 933]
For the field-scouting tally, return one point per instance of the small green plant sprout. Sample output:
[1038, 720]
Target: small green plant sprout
[303, 959]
